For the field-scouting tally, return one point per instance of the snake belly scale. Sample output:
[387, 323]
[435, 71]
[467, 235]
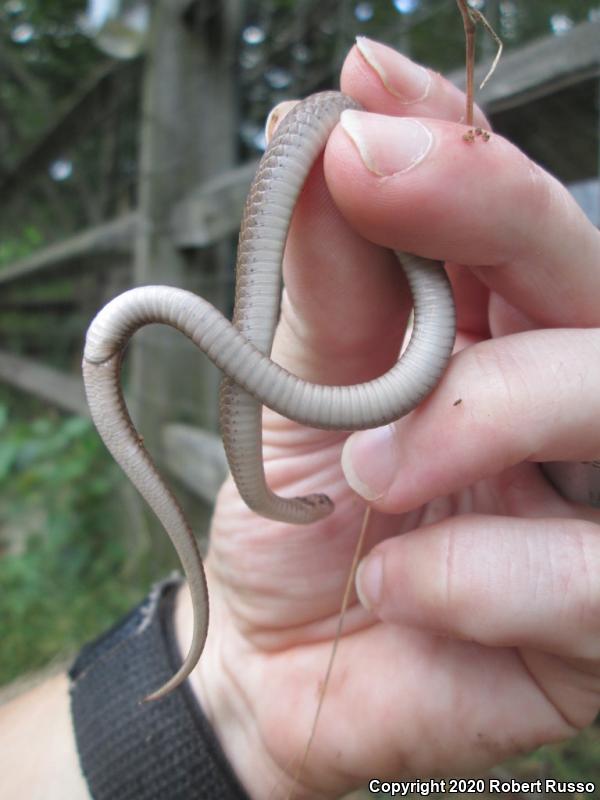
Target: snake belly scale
[241, 350]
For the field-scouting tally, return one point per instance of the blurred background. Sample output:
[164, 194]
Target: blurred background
[129, 133]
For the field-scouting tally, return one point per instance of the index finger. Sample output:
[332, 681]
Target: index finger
[385, 81]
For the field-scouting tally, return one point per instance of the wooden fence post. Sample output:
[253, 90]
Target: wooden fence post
[188, 134]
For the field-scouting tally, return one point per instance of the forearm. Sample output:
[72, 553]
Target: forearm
[38, 756]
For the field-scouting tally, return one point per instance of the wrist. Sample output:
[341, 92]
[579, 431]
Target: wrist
[219, 685]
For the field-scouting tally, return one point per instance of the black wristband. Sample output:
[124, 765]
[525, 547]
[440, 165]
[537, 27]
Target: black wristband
[129, 750]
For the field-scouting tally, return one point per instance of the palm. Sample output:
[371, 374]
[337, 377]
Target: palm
[411, 687]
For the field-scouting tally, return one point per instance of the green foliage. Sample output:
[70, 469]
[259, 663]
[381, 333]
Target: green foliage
[575, 760]
[64, 573]
[13, 248]
[43, 68]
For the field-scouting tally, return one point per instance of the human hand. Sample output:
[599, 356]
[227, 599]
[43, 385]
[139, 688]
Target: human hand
[486, 620]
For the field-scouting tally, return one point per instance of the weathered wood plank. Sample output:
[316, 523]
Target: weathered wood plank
[197, 458]
[539, 68]
[116, 236]
[213, 210]
[59, 388]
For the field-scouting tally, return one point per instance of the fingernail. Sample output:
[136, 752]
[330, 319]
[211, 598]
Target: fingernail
[369, 580]
[369, 462]
[387, 145]
[276, 115]
[405, 80]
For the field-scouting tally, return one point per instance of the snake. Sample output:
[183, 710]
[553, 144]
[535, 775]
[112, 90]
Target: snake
[241, 349]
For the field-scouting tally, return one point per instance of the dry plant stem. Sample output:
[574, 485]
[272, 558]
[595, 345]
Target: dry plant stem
[479, 16]
[470, 18]
[338, 634]
[469, 25]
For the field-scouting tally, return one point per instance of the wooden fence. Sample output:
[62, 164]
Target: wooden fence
[190, 197]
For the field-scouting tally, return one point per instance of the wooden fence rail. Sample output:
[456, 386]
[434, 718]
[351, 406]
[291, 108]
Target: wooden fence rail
[56, 387]
[117, 236]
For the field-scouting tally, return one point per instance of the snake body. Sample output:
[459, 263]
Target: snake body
[241, 350]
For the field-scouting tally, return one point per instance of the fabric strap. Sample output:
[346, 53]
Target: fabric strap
[129, 750]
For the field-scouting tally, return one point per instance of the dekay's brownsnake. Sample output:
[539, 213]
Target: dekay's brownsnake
[242, 350]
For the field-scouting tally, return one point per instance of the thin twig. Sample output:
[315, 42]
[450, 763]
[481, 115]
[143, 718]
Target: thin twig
[469, 25]
[471, 17]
